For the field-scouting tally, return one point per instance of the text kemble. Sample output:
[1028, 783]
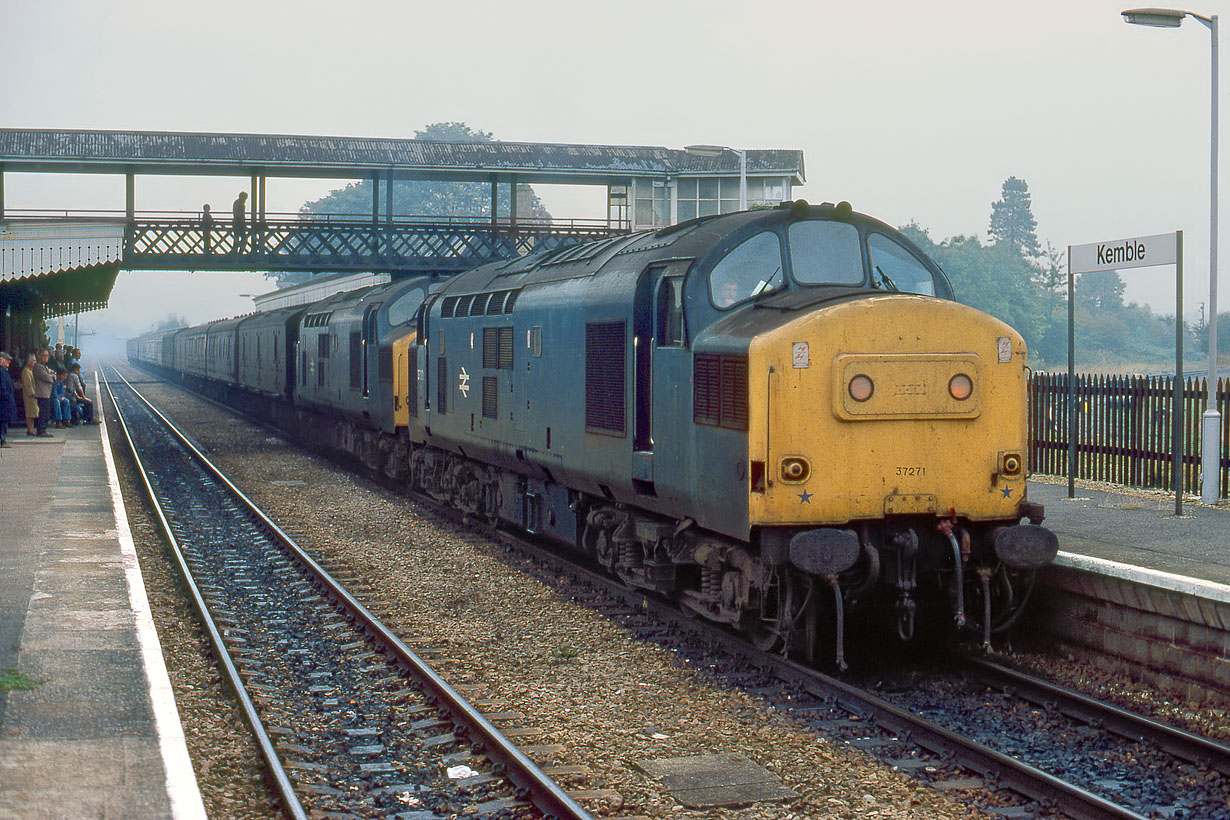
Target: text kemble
[1129, 251]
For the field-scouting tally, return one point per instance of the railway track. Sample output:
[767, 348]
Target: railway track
[349, 719]
[1148, 759]
[936, 751]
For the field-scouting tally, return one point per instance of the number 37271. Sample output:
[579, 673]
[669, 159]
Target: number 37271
[911, 471]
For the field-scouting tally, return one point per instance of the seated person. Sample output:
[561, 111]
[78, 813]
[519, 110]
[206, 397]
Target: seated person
[83, 408]
[61, 410]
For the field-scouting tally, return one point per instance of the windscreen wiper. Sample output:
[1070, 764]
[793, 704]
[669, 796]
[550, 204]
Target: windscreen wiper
[884, 280]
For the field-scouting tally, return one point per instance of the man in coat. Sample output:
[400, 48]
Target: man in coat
[27, 392]
[44, 379]
[239, 222]
[8, 403]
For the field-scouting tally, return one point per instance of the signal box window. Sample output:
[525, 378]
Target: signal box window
[750, 269]
[825, 253]
[895, 268]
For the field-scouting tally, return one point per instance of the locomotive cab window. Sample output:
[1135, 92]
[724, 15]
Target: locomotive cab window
[670, 312]
[403, 309]
[750, 269]
[827, 253]
[895, 268]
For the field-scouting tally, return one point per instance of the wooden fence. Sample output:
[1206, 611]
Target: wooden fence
[1123, 429]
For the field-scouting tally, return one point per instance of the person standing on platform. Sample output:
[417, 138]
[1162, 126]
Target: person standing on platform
[8, 403]
[29, 402]
[43, 381]
[28, 398]
[239, 223]
[207, 228]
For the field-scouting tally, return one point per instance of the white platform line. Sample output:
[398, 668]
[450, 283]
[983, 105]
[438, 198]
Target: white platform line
[182, 788]
[1169, 581]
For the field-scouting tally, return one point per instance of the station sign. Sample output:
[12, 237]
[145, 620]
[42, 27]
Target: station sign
[1134, 252]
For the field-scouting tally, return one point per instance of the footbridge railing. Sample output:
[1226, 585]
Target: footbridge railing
[339, 244]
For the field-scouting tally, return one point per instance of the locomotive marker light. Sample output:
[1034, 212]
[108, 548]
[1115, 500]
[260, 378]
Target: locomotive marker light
[1210, 456]
[1136, 252]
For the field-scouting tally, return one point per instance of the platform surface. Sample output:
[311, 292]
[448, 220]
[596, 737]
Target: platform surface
[97, 734]
[1139, 529]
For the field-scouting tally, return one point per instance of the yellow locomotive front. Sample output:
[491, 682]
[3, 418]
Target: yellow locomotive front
[887, 441]
[889, 405]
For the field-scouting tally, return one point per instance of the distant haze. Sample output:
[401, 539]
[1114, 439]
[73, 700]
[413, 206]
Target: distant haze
[911, 111]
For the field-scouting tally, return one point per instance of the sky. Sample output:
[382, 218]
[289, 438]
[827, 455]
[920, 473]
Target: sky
[913, 112]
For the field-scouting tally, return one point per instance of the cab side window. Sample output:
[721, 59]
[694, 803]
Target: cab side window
[751, 268]
[670, 312]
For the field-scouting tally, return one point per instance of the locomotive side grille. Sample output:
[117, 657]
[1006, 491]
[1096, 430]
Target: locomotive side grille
[604, 376]
[356, 361]
[719, 390]
[479, 306]
[490, 408]
[734, 392]
[441, 385]
[496, 303]
[498, 347]
[412, 401]
[384, 364]
[506, 348]
[706, 389]
[491, 347]
[448, 306]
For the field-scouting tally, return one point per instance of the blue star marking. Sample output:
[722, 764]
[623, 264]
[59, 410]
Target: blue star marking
[805, 497]
[1007, 491]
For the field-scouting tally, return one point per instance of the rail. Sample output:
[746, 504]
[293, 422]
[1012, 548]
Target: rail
[540, 790]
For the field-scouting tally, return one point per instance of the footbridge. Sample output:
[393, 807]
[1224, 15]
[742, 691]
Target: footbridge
[646, 186]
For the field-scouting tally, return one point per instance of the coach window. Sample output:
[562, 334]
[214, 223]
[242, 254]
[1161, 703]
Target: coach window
[825, 253]
[670, 311]
[752, 268]
[895, 268]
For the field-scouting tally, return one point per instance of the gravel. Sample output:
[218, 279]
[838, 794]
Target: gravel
[584, 682]
[227, 763]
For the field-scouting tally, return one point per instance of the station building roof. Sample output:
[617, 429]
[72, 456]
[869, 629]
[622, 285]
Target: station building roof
[162, 152]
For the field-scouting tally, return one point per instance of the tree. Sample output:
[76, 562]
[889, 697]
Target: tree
[1100, 290]
[414, 198]
[171, 322]
[1012, 220]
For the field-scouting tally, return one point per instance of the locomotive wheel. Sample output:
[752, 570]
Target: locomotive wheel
[768, 633]
[767, 636]
[604, 550]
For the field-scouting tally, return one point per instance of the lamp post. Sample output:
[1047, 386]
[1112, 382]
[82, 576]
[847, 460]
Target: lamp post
[717, 150]
[1210, 457]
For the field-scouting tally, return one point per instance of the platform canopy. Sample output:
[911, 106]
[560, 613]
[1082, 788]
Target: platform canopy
[155, 152]
[58, 267]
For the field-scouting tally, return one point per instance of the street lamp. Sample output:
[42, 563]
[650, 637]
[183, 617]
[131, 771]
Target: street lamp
[717, 150]
[1210, 457]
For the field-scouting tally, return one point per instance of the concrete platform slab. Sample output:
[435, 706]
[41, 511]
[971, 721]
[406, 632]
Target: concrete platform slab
[97, 735]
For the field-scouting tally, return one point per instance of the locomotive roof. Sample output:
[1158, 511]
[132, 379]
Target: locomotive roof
[685, 241]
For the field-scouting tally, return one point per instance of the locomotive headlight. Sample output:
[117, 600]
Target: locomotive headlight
[1012, 464]
[861, 387]
[960, 387]
[795, 469]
